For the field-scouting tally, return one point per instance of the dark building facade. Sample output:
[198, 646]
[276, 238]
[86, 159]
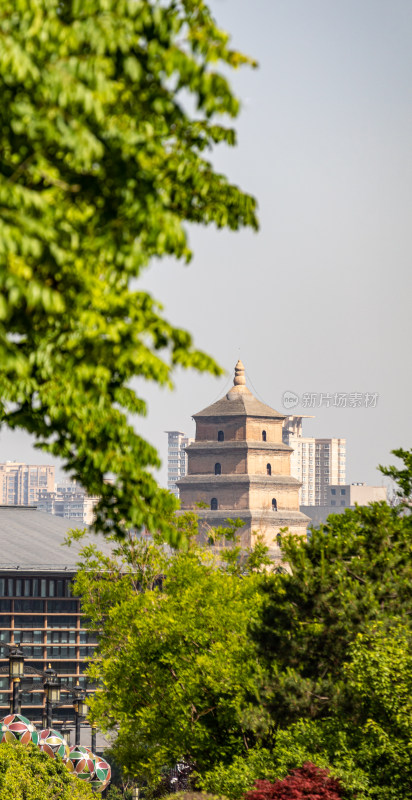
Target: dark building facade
[37, 609]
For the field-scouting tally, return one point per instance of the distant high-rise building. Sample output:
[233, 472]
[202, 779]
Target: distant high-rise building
[69, 501]
[177, 441]
[317, 463]
[20, 484]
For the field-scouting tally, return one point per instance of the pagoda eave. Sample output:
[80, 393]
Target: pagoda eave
[258, 517]
[215, 447]
[234, 478]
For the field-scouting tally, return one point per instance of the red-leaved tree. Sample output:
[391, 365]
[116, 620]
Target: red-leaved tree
[306, 783]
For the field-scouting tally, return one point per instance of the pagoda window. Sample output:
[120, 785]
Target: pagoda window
[213, 504]
[220, 436]
[263, 436]
[218, 469]
[268, 469]
[274, 504]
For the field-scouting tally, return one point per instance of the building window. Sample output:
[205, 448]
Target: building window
[333, 491]
[278, 539]
[213, 504]
[264, 436]
[220, 436]
[333, 503]
[274, 504]
[343, 491]
[218, 469]
[343, 502]
[268, 469]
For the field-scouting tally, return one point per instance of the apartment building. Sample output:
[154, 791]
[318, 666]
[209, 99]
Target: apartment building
[69, 501]
[316, 462]
[21, 484]
[177, 441]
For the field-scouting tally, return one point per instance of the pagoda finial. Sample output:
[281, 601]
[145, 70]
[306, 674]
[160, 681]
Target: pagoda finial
[239, 379]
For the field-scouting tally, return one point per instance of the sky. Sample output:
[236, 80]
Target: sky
[316, 303]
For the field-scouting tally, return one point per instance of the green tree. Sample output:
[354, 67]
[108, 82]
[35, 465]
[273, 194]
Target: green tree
[355, 570]
[175, 663]
[335, 635]
[366, 742]
[101, 164]
[26, 772]
[402, 476]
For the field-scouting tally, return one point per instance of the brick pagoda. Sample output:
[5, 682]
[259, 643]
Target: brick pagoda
[239, 467]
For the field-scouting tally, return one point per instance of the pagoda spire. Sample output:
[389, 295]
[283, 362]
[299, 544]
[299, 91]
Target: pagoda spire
[239, 388]
[239, 379]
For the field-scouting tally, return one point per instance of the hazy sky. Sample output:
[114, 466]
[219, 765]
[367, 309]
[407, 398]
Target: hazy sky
[319, 300]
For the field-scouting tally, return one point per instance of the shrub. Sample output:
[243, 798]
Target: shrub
[26, 772]
[305, 783]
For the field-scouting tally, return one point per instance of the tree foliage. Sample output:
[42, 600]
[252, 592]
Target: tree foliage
[249, 674]
[353, 571]
[101, 165]
[25, 772]
[175, 663]
[335, 635]
[401, 475]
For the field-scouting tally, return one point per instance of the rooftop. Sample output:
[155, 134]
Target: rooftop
[33, 540]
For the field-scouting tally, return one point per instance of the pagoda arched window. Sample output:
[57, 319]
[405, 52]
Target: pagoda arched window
[220, 436]
[213, 504]
[218, 469]
[263, 436]
[278, 539]
[274, 504]
[268, 469]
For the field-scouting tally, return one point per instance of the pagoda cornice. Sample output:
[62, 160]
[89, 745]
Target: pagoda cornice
[236, 478]
[258, 517]
[243, 444]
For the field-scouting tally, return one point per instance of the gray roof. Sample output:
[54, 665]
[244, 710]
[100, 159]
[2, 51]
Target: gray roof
[239, 402]
[33, 540]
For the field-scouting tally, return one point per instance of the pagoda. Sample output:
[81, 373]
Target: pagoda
[239, 468]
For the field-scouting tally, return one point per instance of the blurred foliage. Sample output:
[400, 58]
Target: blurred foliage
[101, 164]
[26, 772]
